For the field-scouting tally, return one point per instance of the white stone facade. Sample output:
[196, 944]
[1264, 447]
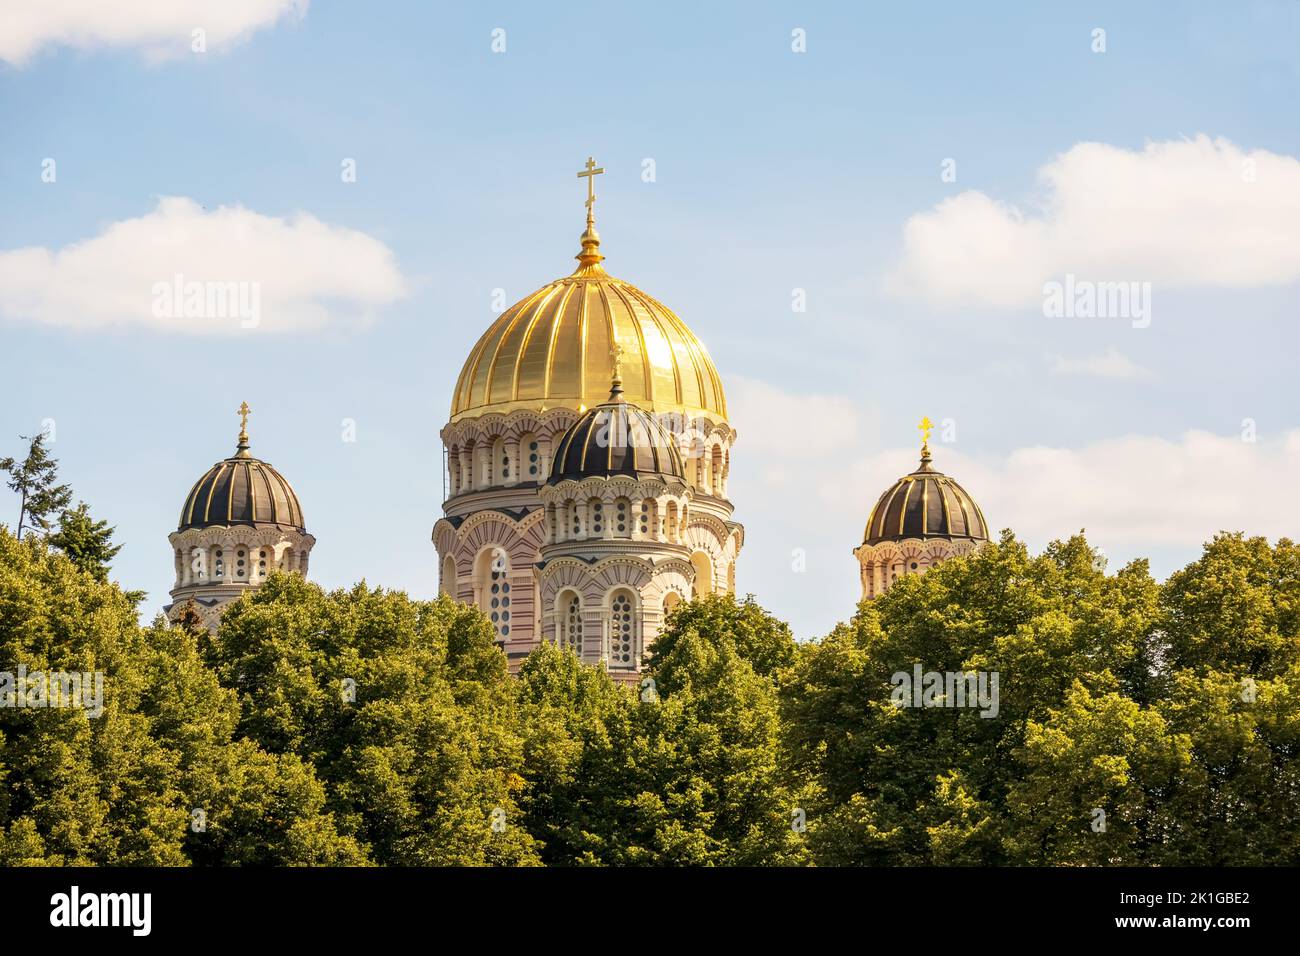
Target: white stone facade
[500, 523]
[880, 565]
[215, 565]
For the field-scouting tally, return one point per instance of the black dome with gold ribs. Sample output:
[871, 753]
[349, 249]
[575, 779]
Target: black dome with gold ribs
[242, 490]
[616, 438]
[925, 504]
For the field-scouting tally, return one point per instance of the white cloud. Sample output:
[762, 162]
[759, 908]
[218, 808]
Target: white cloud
[1113, 364]
[1142, 491]
[299, 271]
[159, 28]
[1182, 213]
[1134, 493]
[782, 431]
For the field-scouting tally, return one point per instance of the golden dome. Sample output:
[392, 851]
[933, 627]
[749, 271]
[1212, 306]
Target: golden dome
[555, 347]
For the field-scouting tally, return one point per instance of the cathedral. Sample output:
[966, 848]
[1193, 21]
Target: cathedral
[570, 516]
[587, 457]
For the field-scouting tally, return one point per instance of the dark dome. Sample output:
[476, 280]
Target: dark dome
[925, 504]
[616, 438]
[241, 491]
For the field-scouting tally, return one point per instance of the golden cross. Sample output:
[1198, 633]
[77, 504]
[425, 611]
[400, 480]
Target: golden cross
[244, 411]
[591, 172]
[926, 426]
[616, 353]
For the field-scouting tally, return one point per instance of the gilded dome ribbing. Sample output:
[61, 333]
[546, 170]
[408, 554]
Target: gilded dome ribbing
[553, 348]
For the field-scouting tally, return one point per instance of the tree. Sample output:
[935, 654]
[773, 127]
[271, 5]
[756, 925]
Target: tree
[33, 480]
[923, 785]
[688, 775]
[758, 637]
[117, 779]
[404, 710]
[87, 543]
[1236, 608]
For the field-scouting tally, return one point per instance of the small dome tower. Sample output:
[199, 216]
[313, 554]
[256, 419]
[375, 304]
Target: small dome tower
[921, 519]
[240, 521]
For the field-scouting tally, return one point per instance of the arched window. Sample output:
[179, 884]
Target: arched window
[671, 522]
[493, 580]
[671, 600]
[649, 518]
[703, 573]
[449, 576]
[570, 622]
[622, 518]
[624, 630]
[716, 478]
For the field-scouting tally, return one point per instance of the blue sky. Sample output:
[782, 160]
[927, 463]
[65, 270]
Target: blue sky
[775, 171]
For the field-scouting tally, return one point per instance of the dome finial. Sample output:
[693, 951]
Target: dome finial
[244, 412]
[926, 426]
[590, 255]
[616, 381]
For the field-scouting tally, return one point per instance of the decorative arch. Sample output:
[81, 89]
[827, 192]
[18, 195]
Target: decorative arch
[448, 583]
[568, 620]
[703, 566]
[671, 600]
[492, 588]
[623, 628]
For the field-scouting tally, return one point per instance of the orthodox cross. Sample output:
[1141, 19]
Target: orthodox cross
[244, 411]
[926, 426]
[590, 174]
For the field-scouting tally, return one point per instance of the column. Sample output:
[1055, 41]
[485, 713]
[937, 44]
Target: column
[635, 518]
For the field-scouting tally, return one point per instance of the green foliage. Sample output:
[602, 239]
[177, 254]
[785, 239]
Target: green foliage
[1236, 609]
[1137, 724]
[403, 708]
[33, 480]
[87, 543]
[120, 788]
[683, 769]
[1124, 736]
[752, 633]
